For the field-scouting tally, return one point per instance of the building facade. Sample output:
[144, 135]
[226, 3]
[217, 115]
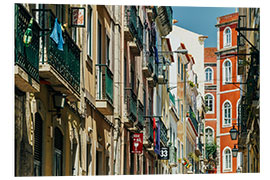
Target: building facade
[248, 58]
[210, 69]
[228, 93]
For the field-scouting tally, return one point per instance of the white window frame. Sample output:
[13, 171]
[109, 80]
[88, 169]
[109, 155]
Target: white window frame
[229, 158]
[227, 37]
[227, 71]
[223, 114]
[211, 73]
[213, 137]
[213, 105]
[237, 106]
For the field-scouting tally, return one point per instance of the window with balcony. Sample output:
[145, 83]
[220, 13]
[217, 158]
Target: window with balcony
[208, 75]
[209, 103]
[227, 37]
[227, 71]
[227, 160]
[227, 113]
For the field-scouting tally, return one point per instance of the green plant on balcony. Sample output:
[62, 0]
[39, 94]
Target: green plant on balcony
[211, 150]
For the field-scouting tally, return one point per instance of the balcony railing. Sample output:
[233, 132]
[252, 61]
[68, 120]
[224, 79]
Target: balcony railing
[163, 132]
[66, 62]
[131, 101]
[140, 116]
[139, 36]
[193, 119]
[26, 57]
[131, 19]
[104, 83]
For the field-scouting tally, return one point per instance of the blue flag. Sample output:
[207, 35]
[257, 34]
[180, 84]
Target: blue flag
[56, 35]
[156, 55]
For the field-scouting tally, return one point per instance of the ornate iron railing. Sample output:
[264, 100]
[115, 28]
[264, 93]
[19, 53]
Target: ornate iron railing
[66, 62]
[163, 132]
[193, 119]
[26, 57]
[131, 101]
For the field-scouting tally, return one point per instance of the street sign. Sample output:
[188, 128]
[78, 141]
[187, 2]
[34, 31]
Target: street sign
[164, 153]
[137, 143]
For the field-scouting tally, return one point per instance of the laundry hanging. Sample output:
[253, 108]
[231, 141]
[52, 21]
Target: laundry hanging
[56, 35]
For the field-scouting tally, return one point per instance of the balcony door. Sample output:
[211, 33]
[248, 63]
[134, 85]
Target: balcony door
[58, 153]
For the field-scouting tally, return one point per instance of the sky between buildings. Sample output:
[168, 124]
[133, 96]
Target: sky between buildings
[201, 20]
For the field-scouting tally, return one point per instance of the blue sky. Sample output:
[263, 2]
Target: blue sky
[201, 20]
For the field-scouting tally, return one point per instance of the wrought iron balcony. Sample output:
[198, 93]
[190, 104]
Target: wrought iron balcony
[104, 90]
[26, 58]
[130, 24]
[139, 36]
[164, 19]
[60, 68]
[193, 119]
[131, 104]
[140, 116]
[163, 132]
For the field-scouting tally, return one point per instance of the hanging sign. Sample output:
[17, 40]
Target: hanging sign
[164, 153]
[77, 17]
[137, 143]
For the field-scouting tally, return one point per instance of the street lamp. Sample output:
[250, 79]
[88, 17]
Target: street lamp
[234, 151]
[233, 133]
[59, 100]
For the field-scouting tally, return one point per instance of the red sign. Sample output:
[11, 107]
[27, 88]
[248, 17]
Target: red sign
[137, 143]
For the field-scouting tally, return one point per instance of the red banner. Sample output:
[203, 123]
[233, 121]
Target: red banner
[137, 143]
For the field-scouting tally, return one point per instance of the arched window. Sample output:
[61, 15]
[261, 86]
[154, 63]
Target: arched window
[227, 37]
[227, 114]
[227, 159]
[209, 103]
[58, 152]
[209, 135]
[227, 71]
[208, 75]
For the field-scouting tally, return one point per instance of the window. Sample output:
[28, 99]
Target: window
[209, 103]
[209, 135]
[227, 71]
[238, 110]
[58, 153]
[182, 113]
[227, 159]
[89, 32]
[182, 72]
[208, 75]
[227, 37]
[38, 146]
[108, 51]
[227, 113]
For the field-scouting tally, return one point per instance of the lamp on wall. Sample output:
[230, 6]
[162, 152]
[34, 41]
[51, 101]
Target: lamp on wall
[59, 100]
[233, 133]
[234, 151]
